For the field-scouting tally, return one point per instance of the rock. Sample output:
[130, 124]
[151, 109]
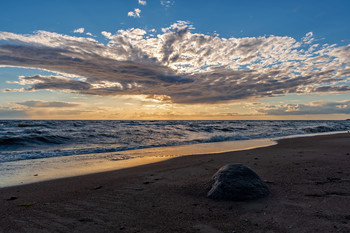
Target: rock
[236, 182]
[12, 198]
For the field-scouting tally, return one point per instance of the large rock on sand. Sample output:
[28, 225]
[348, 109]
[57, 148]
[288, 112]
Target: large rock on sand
[236, 182]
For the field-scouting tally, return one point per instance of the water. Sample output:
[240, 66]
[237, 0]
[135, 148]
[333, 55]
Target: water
[27, 140]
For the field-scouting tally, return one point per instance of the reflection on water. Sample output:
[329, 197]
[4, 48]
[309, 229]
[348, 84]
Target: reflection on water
[29, 171]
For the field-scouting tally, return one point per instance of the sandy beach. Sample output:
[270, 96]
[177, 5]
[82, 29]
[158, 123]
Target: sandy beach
[309, 180]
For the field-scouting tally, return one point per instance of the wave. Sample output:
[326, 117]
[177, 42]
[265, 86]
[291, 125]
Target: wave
[222, 138]
[20, 140]
[30, 125]
[31, 140]
[39, 154]
[322, 129]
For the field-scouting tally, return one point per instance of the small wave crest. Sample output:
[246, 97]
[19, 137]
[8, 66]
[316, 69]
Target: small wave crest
[222, 138]
[319, 129]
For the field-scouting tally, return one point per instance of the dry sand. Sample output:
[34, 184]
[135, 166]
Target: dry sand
[309, 180]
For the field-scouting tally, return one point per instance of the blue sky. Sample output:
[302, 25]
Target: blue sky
[326, 19]
[168, 81]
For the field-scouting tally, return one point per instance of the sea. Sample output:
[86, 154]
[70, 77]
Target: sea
[35, 150]
[27, 139]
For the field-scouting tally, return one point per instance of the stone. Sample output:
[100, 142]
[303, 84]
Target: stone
[238, 183]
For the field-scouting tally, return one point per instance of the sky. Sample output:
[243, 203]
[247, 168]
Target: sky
[175, 60]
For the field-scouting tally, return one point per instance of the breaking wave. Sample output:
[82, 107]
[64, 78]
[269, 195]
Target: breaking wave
[21, 140]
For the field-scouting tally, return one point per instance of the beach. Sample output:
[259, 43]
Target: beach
[308, 177]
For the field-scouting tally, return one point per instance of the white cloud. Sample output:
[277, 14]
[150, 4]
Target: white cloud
[186, 67]
[79, 30]
[108, 35]
[308, 39]
[142, 2]
[135, 13]
[167, 3]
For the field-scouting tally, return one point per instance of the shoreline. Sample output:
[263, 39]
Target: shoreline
[308, 178]
[38, 170]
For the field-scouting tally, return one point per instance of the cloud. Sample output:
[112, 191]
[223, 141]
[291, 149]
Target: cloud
[39, 109]
[167, 3]
[142, 2]
[48, 104]
[12, 114]
[316, 107]
[177, 64]
[39, 82]
[135, 13]
[308, 39]
[79, 30]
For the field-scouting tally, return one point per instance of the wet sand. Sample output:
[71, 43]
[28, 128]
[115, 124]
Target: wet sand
[309, 180]
[36, 170]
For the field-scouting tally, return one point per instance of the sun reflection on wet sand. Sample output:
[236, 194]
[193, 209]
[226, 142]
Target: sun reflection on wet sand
[29, 171]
